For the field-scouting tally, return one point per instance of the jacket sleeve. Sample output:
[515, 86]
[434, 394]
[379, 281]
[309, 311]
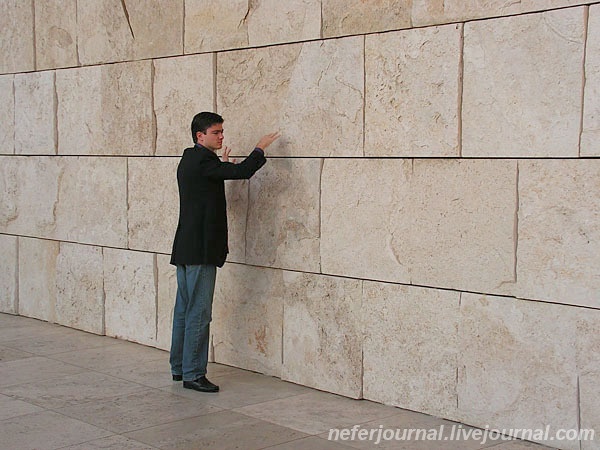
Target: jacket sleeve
[217, 169]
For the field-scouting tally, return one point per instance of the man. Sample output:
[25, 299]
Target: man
[200, 244]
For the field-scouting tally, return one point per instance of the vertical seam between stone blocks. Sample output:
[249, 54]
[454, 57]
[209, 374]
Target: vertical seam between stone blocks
[214, 80]
[16, 299]
[77, 31]
[55, 111]
[321, 214]
[516, 225]
[14, 111]
[103, 325]
[461, 78]
[362, 340]
[579, 407]
[183, 29]
[586, 19]
[34, 35]
[152, 105]
[321, 34]
[247, 218]
[364, 113]
[458, 362]
[155, 270]
[127, 201]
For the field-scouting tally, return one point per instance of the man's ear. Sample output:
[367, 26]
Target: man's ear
[198, 134]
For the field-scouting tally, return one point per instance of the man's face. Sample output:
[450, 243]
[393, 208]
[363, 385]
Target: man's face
[213, 138]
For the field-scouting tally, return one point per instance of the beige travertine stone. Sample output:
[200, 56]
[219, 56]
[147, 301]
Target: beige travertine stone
[208, 28]
[37, 278]
[427, 12]
[590, 136]
[8, 274]
[131, 295]
[236, 193]
[283, 219]
[153, 203]
[522, 85]
[7, 115]
[589, 385]
[106, 110]
[274, 21]
[412, 92]
[248, 318]
[35, 119]
[588, 339]
[559, 231]
[411, 347]
[167, 291]
[517, 365]
[442, 223]
[122, 30]
[16, 36]
[183, 87]
[311, 92]
[343, 17]
[322, 333]
[56, 34]
[80, 287]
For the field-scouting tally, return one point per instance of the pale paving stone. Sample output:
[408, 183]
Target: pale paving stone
[106, 110]
[131, 295]
[590, 135]
[167, 291]
[37, 278]
[427, 12]
[411, 347]
[517, 366]
[207, 28]
[153, 203]
[113, 30]
[183, 87]
[35, 118]
[7, 115]
[283, 219]
[589, 385]
[274, 21]
[16, 36]
[412, 92]
[56, 34]
[313, 93]
[8, 274]
[343, 17]
[522, 85]
[559, 231]
[322, 333]
[440, 223]
[248, 318]
[80, 287]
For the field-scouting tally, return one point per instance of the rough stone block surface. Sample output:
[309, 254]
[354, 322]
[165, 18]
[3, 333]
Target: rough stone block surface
[7, 115]
[589, 385]
[167, 290]
[130, 287]
[590, 136]
[411, 347]
[236, 192]
[522, 85]
[322, 333]
[80, 287]
[8, 274]
[313, 93]
[16, 36]
[56, 34]
[412, 92]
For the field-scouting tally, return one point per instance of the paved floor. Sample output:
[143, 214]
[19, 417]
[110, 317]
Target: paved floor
[66, 389]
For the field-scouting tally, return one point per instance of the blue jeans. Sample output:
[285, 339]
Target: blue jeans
[191, 320]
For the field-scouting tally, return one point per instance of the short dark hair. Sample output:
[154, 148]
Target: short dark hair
[203, 121]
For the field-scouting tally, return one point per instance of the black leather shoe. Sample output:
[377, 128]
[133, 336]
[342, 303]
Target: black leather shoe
[201, 384]
[177, 377]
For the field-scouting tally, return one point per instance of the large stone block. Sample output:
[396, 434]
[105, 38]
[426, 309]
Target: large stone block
[442, 223]
[236, 192]
[80, 287]
[106, 110]
[312, 92]
[248, 318]
[411, 347]
[35, 118]
[131, 295]
[517, 365]
[7, 115]
[322, 333]
[589, 385]
[16, 35]
[590, 135]
[8, 274]
[343, 17]
[167, 291]
[283, 220]
[412, 92]
[208, 29]
[113, 30]
[522, 85]
[56, 34]
[182, 88]
[588, 339]
[153, 203]
[559, 231]
[37, 278]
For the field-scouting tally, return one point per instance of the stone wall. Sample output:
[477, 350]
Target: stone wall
[426, 233]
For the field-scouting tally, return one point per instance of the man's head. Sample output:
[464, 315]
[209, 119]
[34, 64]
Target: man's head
[207, 130]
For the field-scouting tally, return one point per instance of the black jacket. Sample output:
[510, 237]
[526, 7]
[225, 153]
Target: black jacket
[201, 236]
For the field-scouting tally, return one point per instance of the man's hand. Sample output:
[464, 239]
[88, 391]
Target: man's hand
[225, 156]
[267, 140]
